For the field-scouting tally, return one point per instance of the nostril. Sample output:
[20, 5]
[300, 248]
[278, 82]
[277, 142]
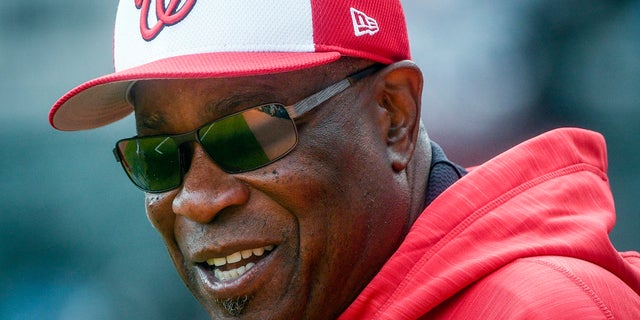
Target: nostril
[207, 190]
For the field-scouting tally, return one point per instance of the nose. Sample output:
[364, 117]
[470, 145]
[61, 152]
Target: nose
[207, 190]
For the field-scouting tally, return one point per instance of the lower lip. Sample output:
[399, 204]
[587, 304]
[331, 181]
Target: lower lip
[245, 284]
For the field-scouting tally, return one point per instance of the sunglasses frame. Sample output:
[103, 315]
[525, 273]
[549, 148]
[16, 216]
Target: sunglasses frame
[294, 111]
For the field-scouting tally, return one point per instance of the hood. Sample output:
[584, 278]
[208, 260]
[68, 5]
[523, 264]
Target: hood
[547, 196]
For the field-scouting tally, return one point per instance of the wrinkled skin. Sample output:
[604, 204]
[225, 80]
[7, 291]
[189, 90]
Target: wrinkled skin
[334, 209]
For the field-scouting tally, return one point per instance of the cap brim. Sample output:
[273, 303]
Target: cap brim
[103, 100]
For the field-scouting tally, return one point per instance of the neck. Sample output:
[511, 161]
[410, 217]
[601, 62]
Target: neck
[418, 174]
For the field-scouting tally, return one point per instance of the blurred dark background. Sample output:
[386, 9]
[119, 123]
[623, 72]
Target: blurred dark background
[74, 239]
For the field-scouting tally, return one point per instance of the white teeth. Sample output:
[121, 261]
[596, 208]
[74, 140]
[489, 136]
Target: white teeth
[234, 273]
[217, 261]
[234, 258]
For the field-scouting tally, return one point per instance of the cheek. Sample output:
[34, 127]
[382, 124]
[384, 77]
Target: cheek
[327, 183]
[330, 207]
[160, 213]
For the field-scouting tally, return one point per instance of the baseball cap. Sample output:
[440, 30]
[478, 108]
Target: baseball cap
[229, 38]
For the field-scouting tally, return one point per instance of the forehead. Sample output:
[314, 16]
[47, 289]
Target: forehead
[159, 102]
[162, 102]
[286, 80]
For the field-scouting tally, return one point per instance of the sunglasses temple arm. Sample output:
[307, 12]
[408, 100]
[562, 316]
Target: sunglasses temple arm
[365, 73]
[318, 98]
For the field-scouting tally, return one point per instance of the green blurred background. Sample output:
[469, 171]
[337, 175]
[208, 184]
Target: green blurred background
[74, 240]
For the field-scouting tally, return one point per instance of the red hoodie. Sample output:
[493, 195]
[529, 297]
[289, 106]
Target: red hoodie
[523, 236]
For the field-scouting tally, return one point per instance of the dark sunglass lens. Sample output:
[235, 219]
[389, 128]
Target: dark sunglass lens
[250, 139]
[152, 163]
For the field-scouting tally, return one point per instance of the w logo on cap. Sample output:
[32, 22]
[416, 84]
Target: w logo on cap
[363, 24]
[165, 15]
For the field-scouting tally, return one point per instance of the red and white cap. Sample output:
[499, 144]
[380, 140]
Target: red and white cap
[228, 38]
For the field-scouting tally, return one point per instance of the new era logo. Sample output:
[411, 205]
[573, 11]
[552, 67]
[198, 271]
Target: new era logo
[363, 24]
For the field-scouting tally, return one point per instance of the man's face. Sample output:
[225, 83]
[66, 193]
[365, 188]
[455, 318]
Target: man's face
[298, 238]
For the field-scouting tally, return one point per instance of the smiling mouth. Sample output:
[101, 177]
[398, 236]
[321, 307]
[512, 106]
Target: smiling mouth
[236, 264]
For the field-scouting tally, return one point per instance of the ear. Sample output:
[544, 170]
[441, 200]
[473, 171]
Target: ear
[399, 94]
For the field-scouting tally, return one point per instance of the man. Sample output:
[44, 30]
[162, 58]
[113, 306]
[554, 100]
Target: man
[286, 167]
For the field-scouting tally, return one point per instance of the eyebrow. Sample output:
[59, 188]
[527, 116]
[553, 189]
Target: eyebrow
[153, 121]
[220, 108]
[236, 102]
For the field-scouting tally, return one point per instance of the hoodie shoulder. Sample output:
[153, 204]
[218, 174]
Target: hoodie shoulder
[539, 287]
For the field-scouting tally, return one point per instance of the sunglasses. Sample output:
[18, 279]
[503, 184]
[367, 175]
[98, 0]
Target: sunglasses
[240, 142]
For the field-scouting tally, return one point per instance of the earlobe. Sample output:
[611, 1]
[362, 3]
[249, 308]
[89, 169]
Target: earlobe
[399, 94]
